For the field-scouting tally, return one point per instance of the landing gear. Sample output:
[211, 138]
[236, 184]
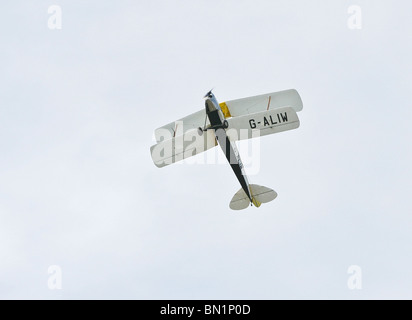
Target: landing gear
[200, 130]
[224, 125]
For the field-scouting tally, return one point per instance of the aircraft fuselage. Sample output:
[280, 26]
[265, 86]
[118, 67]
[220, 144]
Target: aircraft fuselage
[217, 122]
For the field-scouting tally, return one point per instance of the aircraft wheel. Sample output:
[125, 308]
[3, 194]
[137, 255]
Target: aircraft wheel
[225, 124]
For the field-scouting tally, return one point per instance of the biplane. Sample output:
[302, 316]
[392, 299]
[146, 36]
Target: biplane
[223, 124]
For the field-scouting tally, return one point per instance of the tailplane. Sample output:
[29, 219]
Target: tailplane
[259, 194]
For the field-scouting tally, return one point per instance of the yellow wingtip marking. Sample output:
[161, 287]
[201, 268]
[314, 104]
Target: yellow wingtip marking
[225, 110]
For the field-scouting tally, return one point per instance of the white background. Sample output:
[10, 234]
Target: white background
[78, 188]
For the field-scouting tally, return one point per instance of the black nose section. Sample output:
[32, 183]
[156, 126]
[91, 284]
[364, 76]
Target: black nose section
[210, 107]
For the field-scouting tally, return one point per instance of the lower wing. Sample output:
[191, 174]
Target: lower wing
[181, 147]
[262, 123]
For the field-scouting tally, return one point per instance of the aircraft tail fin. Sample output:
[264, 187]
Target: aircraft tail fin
[256, 202]
[259, 194]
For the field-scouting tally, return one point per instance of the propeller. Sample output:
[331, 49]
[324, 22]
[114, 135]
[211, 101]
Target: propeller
[209, 94]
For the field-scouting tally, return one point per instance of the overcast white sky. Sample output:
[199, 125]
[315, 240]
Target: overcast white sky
[78, 188]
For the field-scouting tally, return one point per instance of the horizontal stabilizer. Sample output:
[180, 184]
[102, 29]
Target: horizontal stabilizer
[259, 194]
[239, 201]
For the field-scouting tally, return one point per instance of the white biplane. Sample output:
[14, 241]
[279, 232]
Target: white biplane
[224, 124]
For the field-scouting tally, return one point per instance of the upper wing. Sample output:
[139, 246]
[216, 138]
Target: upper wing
[233, 108]
[269, 101]
[181, 126]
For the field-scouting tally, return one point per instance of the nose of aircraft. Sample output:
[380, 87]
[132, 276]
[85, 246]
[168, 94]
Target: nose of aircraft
[209, 94]
[211, 103]
[210, 106]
